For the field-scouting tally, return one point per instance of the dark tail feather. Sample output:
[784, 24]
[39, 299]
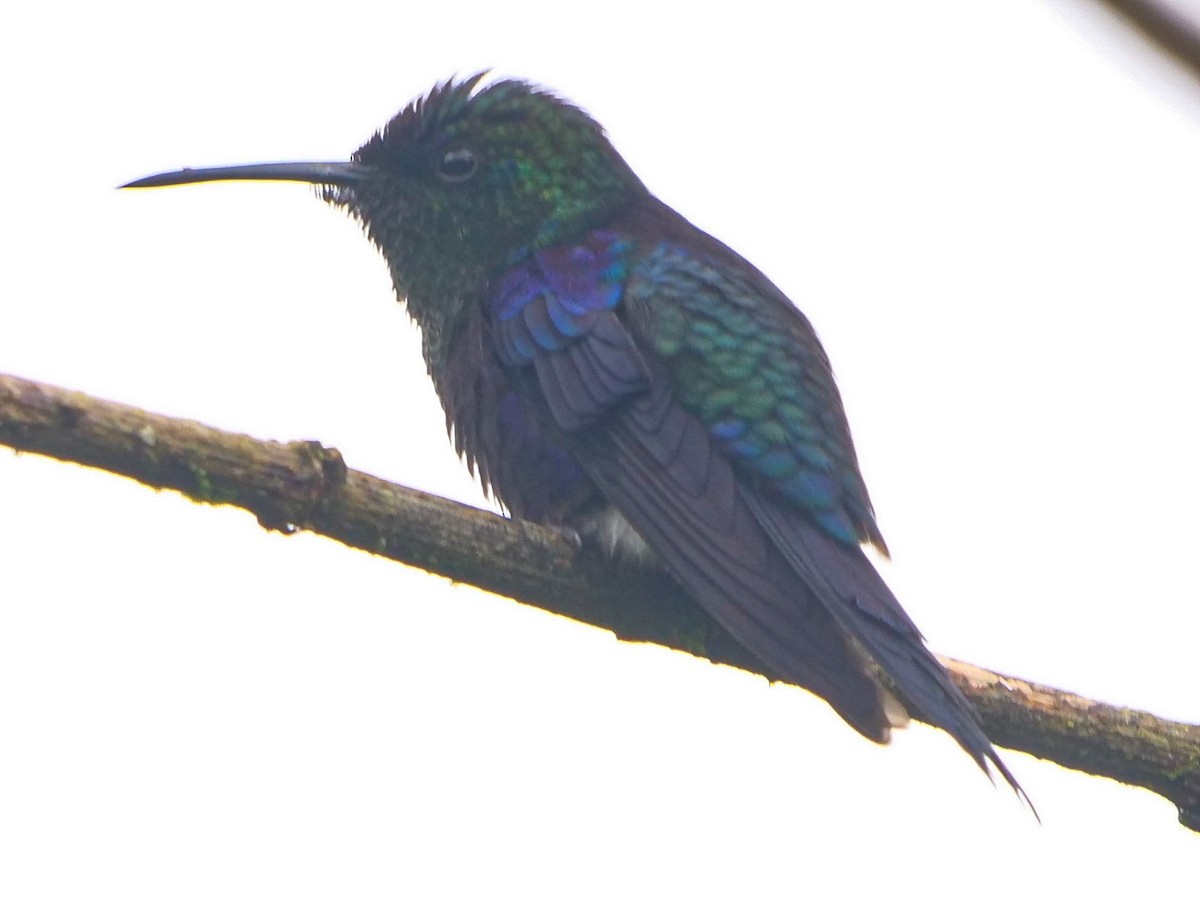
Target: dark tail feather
[857, 597]
[812, 609]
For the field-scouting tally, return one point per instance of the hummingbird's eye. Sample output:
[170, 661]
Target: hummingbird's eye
[457, 165]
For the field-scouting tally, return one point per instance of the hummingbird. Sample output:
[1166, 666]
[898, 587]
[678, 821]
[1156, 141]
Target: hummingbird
[609, 369]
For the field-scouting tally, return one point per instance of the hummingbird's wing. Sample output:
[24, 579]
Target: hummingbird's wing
[700, 404]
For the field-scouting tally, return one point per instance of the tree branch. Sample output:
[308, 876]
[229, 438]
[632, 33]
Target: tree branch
[304, 486]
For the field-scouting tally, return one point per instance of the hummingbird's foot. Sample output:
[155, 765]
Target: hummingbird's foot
[568, 534]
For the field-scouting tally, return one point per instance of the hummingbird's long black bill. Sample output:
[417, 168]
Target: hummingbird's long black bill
[332, 173]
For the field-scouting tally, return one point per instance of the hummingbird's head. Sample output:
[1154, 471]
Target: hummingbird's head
[461, 184]
[473, 178]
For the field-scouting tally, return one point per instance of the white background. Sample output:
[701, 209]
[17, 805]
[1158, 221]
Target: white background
[989, 211]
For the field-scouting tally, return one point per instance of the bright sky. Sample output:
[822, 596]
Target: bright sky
[987, 210]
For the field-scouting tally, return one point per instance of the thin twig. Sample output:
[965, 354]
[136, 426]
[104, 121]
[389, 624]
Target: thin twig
[1166, 27]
